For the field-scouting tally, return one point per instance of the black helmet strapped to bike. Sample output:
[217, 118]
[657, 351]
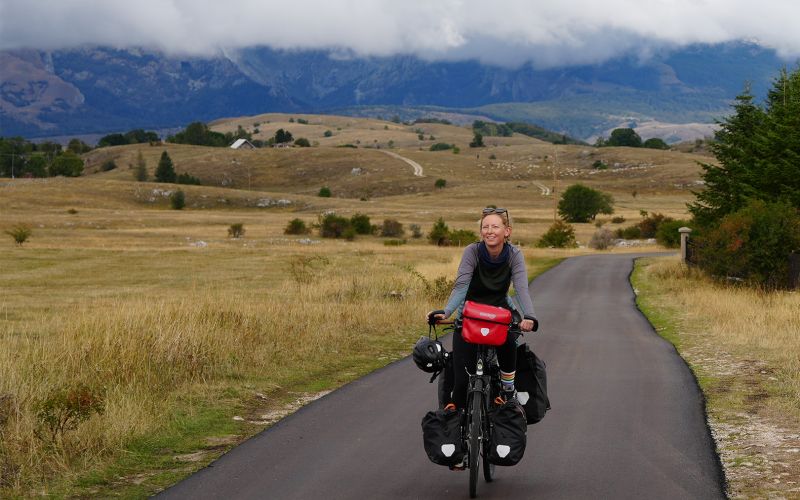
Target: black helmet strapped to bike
[429, 355]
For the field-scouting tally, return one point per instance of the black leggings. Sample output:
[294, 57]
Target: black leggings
[464, 356]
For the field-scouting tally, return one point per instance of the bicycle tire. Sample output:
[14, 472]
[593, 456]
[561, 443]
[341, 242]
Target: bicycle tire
[475, 430]
[488, 467]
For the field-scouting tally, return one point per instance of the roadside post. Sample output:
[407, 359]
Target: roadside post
[685, 231]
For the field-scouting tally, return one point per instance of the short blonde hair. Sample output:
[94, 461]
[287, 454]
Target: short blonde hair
[504, 216]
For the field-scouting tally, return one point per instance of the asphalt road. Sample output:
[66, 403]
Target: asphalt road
[627, 418]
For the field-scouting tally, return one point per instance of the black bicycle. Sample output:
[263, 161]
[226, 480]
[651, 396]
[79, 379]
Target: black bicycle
[482, 389]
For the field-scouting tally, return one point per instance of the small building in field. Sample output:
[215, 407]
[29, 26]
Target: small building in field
[242, 144]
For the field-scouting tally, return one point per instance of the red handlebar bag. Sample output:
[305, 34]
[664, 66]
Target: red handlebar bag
[482, 324]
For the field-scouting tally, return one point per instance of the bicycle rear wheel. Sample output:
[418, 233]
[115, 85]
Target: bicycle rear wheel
[475, 431]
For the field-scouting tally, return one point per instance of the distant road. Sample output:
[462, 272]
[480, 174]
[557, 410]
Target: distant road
[627, 419]
[416, 166]
[544, 189]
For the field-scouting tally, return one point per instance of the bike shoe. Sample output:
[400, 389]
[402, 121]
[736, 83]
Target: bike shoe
[461, 466]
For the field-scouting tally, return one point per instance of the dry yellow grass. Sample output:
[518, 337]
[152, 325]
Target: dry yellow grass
[743, 346]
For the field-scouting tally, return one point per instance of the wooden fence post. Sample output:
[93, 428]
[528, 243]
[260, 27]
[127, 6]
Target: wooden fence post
[684, 242]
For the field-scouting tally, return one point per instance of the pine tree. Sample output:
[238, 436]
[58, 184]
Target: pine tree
[165, 171]
[140, 171]
[728, 185]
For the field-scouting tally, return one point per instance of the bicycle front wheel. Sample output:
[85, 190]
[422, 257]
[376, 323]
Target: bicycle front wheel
[475, 431]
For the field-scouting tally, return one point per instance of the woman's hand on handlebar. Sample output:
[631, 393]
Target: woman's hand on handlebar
[433, 316]
[529, 325]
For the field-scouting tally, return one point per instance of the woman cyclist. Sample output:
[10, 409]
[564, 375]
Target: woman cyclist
[485, 274]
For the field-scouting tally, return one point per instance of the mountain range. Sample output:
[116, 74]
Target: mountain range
[672, 94]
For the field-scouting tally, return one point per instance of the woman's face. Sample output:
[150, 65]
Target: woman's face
[493, 231]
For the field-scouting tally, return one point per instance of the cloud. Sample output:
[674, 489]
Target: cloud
[506, 32]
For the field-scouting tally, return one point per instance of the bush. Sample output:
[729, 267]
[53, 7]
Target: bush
[328, 133]
[186, 178]
[440, 183]
[20, 233]
[655, 143]
[559, 235]
[394, 243]
[360, 224]
[67, 164]
[177, 200]
[439, 233]
[236, 230]
[333, 226]
[629, 233]
[324, 192]
[617, 220]
[65, 408]
[602, 239]
[416, 230]
[752, 244]
[599, 165]
[668, 235]
[302, 142]
[296, 226]
[392, 228]
[462, 237]
[440, 146]
[108, 165]
[649, 225]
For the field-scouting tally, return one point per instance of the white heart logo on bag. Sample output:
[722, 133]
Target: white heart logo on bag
[484, 331]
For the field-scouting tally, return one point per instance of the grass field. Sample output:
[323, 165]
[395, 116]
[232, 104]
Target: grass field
[132, 335]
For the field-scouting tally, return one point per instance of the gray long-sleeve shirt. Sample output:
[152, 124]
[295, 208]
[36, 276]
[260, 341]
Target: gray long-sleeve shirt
[469, 261]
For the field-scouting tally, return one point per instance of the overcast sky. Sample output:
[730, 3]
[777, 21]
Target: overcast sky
[546, 32]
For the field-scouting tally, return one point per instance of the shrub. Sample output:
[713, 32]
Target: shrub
[439, 233]
[296, 226]
[599, 165]
[649, 225]
[20, 233]
[67, 164]
[440, 146]
[668, 235]
[629, 233]
[753, 244]
[394, 243]
[655, 143]
[392, 228]
[416, 230]
[140, 171]
[617, 220]
[462, 237]
[440, 183]
[324, 192]
[328, 133]
[186, 178]
[360, 224]
[108, 165]
[492, 156]
[236, 230]
[602, 239]
[302, 142]
[558, 235]
[65, 408]
[333, 226]
[177, 200]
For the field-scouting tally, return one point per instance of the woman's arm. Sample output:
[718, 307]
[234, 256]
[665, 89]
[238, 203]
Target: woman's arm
[469, 259]
[519, 277]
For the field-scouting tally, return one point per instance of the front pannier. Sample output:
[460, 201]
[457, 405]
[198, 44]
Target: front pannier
[441, 436]
[531, 384]
[508, 439]
[484, 324]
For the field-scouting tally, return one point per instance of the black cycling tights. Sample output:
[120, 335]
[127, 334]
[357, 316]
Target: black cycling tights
[464, 355]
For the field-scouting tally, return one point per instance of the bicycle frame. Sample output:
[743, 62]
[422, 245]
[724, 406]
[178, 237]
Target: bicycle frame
[483, 384]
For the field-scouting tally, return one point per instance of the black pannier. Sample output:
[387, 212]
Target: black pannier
[531, 384]
[508, 439]
[441, 435]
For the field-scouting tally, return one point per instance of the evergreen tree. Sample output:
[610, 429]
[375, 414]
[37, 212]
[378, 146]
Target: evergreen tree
[140, 171]
[165, 171]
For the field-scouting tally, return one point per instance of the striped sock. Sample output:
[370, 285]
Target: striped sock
[507, 380]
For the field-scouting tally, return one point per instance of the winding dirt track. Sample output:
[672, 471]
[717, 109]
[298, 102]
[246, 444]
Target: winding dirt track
[416, 166]
[627, 418]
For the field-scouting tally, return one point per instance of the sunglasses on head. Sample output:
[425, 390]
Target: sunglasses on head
[489, 210]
